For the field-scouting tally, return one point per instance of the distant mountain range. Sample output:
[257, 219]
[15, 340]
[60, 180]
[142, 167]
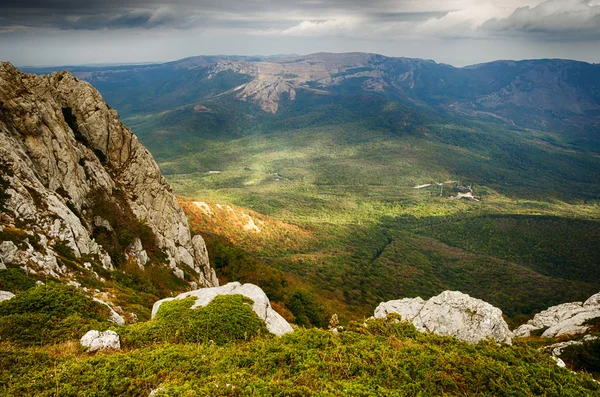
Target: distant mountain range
[548, 94]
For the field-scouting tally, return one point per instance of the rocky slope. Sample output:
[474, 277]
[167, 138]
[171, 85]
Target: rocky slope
[78, 192]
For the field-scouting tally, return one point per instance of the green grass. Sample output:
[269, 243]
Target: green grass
[380, 358]
[351, 186]
[49, 313]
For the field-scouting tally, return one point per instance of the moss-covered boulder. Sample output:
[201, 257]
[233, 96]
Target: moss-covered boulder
[227, 318]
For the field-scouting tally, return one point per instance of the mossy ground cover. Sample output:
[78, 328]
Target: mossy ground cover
[382, 358]
[49, 313]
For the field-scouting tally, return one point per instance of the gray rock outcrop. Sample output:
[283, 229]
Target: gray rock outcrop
[276, 324]
[267, 92]
[97, 341]
[5, 295]
[451, 313]
[564, 319]
[62, 149]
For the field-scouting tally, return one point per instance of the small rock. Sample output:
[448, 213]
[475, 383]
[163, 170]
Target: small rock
[95, 341]
[101, 222]
[38, 283]
[137, 252]
[5, 295]
[559, 362]
[114, 316]
[154, 391]
[9, 253]
[179, 273]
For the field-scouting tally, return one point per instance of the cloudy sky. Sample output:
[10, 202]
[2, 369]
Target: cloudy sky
[458, 32]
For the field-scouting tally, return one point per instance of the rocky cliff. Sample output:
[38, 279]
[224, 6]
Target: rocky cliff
[78, 191]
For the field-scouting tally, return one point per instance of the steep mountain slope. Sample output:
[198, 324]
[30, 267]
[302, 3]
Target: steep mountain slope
[80, 196]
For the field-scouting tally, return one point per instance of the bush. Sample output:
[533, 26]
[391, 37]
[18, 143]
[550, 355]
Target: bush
[49, 314]
[15, 280]
[226, 319]
[585, 357]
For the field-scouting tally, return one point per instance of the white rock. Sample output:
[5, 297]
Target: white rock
[407, 308]
[101, 222]
[137, 252]
[9, 252]
[179, 273]
[153, 392]
[95, 340]
[276, 324]
[2, 265]
[524, 330]
[559, 362]
[114, 316]
[208, 276]
[5, 295]
[557, 348]
[563, 319]
[451, 313]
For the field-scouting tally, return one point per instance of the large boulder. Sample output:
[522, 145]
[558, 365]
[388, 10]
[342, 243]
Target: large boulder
[451, 313]
[564, 319]
[276, 324]
[96, 340]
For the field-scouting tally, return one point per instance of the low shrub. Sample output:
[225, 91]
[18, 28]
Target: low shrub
[49, 313]
[15, 280]
[226, 319]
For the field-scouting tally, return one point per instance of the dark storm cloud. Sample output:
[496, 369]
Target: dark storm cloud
[553, 19]
[180, 14]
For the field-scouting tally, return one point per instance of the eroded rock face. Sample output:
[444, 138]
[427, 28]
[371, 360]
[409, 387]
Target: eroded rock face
[451, 313]
[96, 341]
[61, 148]
[268, 92]
[564, 319]
[262, 307]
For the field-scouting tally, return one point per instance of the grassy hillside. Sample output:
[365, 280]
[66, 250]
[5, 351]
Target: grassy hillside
[378, 358]
[346, 226]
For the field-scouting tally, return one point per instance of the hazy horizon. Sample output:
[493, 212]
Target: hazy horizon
[277, 56]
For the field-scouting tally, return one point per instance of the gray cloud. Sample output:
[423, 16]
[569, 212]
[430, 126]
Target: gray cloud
[553, 19]
[452, 31]
[187, 14]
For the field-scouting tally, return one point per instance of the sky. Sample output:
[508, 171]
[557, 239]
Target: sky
[457, 32]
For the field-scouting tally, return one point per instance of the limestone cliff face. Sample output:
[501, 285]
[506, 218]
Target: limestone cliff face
[64, 158]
